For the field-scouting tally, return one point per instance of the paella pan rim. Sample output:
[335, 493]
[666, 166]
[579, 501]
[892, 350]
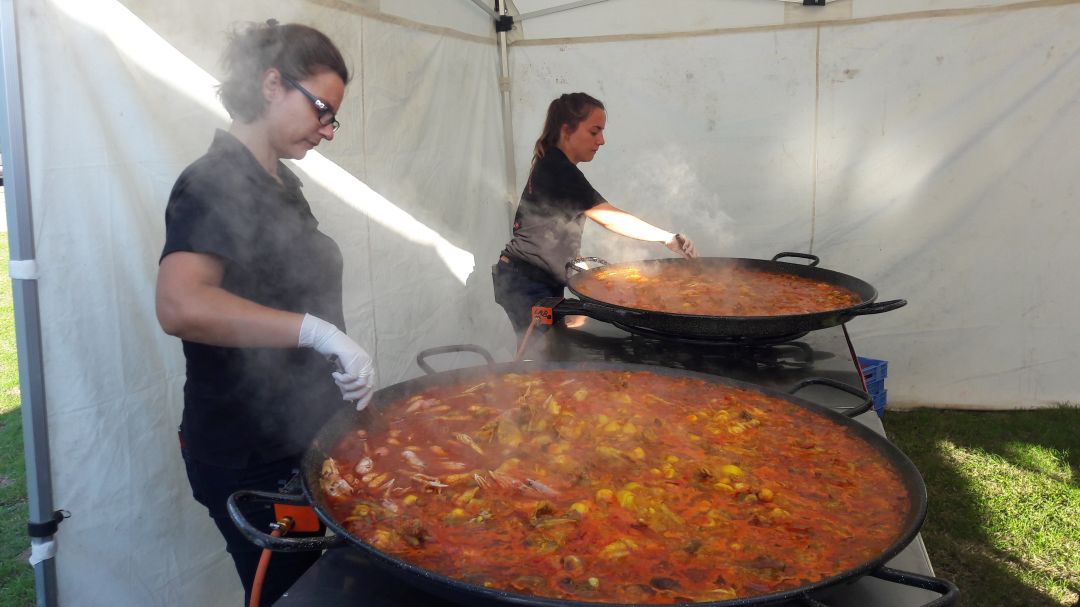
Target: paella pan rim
[457, 590]
[866, 292]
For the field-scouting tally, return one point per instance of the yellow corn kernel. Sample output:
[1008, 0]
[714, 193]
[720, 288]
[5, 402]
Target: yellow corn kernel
[623, 397]
[637, 453]
[553, 407]
[409, 500]
[724, 487]
[579, 507]
[614, 550]
[765, 495]
[466, 495]
[655, 471]
[381, 537]
[625, 498]
[602, 420]
[604, 495]
[629, 428]
[607, 451]
[541, 440]
[632, 485]
[669, 473]
[457, 513]
[731, 470]
[671, 459]
[594, 582]
[581, 395]
[613, 426]
[691, 418]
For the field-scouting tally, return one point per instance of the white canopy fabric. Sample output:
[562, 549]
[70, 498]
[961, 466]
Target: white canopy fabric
[118, 110]
[929, 154]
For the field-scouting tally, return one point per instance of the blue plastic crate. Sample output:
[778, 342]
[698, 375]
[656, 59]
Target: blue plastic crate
[875, 386]
[879, 400]
[873, 369]
[874, 372]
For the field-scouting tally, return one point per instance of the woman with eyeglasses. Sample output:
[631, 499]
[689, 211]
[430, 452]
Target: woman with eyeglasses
[253, 288]
[551, 215]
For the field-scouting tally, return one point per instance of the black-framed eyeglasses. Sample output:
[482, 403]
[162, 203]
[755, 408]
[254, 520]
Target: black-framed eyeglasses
[326, 115]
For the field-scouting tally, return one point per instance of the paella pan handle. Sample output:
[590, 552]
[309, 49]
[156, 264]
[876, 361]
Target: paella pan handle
[852, 411]
[420, 362]
[814, 259]
[948, 591]
[602, 311]
[572, 265]
[265, 540]
[879, 307]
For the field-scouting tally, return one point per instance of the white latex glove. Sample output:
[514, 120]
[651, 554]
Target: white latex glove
[356, 376]
[681, 244]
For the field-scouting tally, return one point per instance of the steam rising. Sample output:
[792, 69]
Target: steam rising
[662, 187]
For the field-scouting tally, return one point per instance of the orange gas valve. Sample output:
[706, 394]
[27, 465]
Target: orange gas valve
[544, 310]
[304, 517]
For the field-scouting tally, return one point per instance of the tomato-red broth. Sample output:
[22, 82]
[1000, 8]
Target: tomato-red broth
[690, 288]
[615, 486]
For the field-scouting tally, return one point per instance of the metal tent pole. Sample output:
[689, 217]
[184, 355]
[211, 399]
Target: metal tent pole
[27, 314]
[559, 9]
[504, 88]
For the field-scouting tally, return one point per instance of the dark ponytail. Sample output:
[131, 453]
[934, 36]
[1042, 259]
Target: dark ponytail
[569, 109]
[298, 51]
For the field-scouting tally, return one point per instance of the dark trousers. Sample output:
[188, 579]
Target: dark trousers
[211, 487]
[517, 288]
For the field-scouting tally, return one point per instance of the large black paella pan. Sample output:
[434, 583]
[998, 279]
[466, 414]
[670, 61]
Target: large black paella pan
[596, 289]
[547, 512]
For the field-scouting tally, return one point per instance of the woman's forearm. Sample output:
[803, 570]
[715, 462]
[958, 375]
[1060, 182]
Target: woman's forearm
[625, 224]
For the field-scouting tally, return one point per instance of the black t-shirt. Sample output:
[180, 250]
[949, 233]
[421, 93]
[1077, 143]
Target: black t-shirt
[551, 215]
[249, 405]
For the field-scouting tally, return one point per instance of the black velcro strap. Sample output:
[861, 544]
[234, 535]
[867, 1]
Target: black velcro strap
[50, 527]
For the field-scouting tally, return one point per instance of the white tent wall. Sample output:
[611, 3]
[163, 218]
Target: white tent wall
[123, 98]
[458, 15]
[931, 155]
[947, 173]
[543, 19]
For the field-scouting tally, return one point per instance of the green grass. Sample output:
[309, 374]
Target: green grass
[1004, 501]
[16, 576]
[1003, 521]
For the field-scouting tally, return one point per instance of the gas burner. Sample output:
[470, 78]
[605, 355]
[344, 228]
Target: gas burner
[709, 341]
[720, 356]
